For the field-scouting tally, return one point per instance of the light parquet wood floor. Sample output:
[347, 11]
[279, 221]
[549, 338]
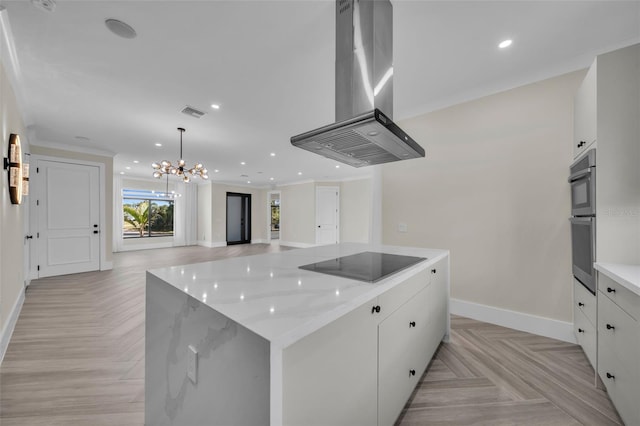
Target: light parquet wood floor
[77, 358]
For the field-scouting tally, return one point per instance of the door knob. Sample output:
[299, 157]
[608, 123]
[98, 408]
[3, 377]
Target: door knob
[95, 226]
[412, 372]
[96, 231]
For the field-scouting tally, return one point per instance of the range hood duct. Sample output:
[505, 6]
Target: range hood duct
[364, 133]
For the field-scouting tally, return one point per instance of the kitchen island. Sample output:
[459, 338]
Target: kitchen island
[256, 340]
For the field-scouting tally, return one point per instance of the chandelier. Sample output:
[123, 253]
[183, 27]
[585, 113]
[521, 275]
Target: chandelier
[166, 168]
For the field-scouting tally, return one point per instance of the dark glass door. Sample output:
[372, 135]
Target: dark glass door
[238, 218]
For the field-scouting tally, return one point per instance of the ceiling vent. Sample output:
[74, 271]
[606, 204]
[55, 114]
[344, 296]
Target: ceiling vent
[191, 111]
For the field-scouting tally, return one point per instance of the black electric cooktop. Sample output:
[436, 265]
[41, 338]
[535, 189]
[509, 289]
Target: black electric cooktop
[367, 266]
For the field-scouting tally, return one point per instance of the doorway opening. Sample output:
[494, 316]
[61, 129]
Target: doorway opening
[238, 218]
[273, 200]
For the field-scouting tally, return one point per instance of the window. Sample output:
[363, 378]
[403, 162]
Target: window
[146, 214]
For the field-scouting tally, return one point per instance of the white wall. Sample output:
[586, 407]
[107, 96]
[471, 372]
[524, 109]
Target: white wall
[355, 210]
[493, 189]
[298, 213]
[204, 214]
[12, 279]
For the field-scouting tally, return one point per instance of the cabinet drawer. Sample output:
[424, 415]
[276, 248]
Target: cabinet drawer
[584, 301]
[586, 335]
[626, 299]
[400, 294]
[619, 334]
[621, 386]
[401, 344]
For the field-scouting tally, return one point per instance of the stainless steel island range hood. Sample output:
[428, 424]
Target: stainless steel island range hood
[364, 133]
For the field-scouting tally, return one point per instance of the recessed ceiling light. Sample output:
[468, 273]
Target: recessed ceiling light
[216, 171]
[273, 154]
[505, 43]
[337, 166]
[248, 181]
[270, 178]
[119, 28]
[128, 168]
[158, 144]
[135, 161]
[299, 173]
[215, 106]
[242, 163]
[121, 173]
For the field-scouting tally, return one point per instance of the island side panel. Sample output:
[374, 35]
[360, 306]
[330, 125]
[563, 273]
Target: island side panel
[233, 364]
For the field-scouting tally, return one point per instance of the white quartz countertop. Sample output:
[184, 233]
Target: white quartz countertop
[271, 296]
[627, 276]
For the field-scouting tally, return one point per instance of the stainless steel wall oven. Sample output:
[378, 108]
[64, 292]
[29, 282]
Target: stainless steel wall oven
[582, 178]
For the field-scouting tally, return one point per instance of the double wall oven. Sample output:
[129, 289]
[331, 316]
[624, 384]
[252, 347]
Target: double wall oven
[583, 219]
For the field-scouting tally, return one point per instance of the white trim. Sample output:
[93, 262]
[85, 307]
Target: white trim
[296, 245]
[259, 241]
[534, 324]
[10, 325]
[150, 246]
[210, 244]
[106, 266]
[74, 148]
[300, 182]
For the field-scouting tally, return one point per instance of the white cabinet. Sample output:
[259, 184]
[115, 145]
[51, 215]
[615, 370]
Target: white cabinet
[362, 368]
[402, 342]
[329, 377]
[584, 320]
[584, 113]
[619, 347]
[407, 340]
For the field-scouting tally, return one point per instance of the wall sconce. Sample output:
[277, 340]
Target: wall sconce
[18, 171]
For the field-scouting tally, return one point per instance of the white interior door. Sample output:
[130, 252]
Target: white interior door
[68, 204]
[327, 215]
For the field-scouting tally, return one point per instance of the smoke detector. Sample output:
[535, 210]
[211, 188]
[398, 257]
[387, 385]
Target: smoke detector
[191, 111]
[46, 5]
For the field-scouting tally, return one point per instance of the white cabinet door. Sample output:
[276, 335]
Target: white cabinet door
[329, 377]
[401, 361]
[584, 113]
[68, 212]
[438, 307]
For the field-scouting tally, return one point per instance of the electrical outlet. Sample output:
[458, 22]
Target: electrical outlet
[192, 364]
[402, 227]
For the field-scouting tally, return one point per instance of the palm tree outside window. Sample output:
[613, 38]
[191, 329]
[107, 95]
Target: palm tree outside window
[146, 214]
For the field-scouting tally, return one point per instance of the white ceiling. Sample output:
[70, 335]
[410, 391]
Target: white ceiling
[270, 65]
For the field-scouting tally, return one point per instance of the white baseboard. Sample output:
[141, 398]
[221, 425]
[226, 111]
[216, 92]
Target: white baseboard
[8, 328]
[296, 245]
[149, 246]
[259, 241]
[541, 326]
[211, 244]
[106, 266]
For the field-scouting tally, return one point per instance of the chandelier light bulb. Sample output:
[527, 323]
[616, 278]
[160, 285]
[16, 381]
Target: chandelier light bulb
[166, 168]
